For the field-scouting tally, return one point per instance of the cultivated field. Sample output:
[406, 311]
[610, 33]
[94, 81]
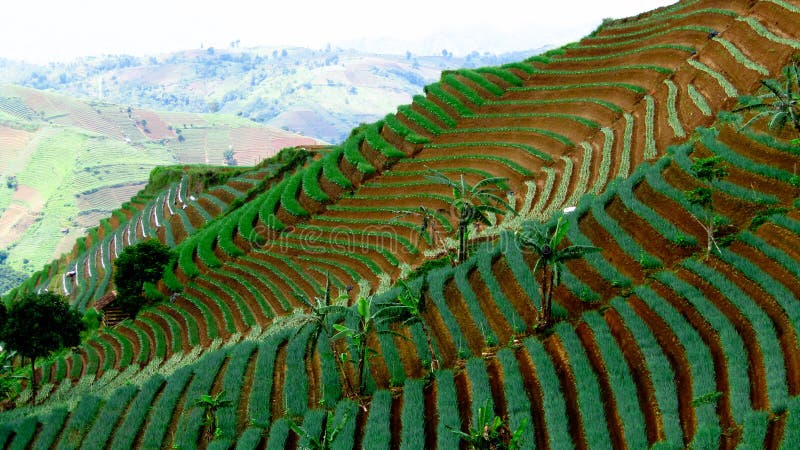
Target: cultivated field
[655, 345]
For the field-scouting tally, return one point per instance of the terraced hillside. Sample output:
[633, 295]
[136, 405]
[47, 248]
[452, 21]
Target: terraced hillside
[656, 344]
[74, 162]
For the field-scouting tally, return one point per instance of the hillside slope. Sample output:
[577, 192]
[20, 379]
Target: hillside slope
[655, 346]
[66, 164]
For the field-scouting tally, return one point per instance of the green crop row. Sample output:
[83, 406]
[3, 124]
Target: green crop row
[544, 132]
[468, 93]
[412, 417]
[791, 433]
[419, 119]
[330, 168]
[362, 235]
[672, 109]
[603, 267]
[162, 410]
[518, 406]
[554, 405]
[621, 381]
[529, 149]
[659, 369]
[741, 58]
[435, 110]
[229, 296]
[531, 115]
[270, 269]
[708, 137]
[447, 408]
[560, 101]
[520, 269]
[160, 350]
[642, 49]
[544, 194]
[699, 358]
[436, 90]
[377, 431]
[484, 259]
[783, 296]
[190, 419]
[231, 277]
[478, 78]
[730, 340]
[590, 402]
[503, 73]
[560, 195]
[605, 163]
[699, 100]
[582, 186]
[673, 17]
[567, 86]
[403, 131]
[727, 86]
[475, 156]
[289, 195]
[762, 326]
[613, 69]
[80, 419]
[762, 31]
[373, 137]
[436, 282]
[460, 277]
[259, 404]
[659, 223]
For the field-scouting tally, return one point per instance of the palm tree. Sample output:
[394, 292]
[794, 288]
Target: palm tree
[780, 102]
[408, 309]
[550, 258]
[211, 404]
[472, 202]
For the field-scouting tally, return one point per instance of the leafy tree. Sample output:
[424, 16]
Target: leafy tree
[330, 430]
[550, 258]
[136, 265]
[708, 171]
[780, 102]
[211, 404]
[491, 432]
[9, 377]
[38, 325]
[472, 202]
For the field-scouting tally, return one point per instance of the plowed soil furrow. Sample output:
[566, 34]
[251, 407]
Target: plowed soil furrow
[476, 341]
[280, 378]
[238, 320]
[183, 325]
[255, 281]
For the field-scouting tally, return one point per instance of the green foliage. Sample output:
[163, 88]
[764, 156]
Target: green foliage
[136, 265]
[38, 325]
[780, 101]
[544, 242]
[491, 432]
[211, 404]
[330, 431]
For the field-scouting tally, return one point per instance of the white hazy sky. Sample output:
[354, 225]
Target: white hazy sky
[47, 30]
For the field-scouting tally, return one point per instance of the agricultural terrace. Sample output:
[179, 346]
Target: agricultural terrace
[655, 345]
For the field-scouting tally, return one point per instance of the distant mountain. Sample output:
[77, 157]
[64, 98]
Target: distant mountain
[66, 163]
[319, 93]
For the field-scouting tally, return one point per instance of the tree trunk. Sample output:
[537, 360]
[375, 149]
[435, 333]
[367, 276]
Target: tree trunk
[462, 241]
[426, 332]
[362, 358]
[547, 298]
[338, 362]
[33, 379]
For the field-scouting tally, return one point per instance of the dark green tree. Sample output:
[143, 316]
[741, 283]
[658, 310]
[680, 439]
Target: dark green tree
[136, 265]
[551, 258]
[38, 325]
[472, 203]
[708, 171]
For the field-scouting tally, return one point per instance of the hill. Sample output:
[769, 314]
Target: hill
[318, 93]
[656, 344]
[65, 163]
